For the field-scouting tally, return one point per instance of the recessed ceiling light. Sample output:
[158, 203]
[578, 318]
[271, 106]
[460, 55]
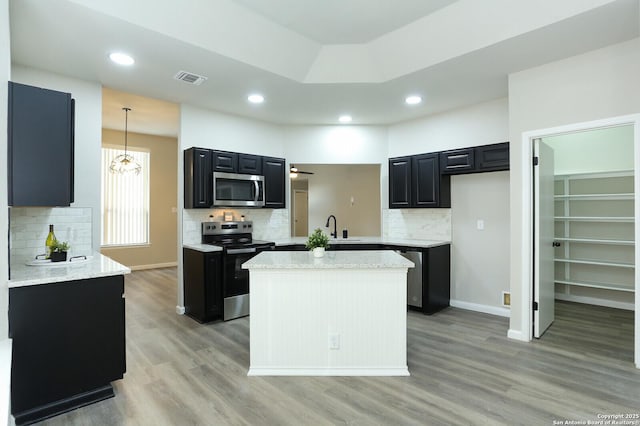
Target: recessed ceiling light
[256, 98]
[121, 58]
[413, 100]
[345, 119]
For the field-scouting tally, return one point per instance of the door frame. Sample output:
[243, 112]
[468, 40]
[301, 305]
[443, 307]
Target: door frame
[527, 237]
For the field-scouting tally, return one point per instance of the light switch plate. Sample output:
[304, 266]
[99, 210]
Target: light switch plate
[480, 225]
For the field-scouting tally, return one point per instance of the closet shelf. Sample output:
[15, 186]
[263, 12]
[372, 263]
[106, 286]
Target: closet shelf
[597, 263]
[606, 286]
[595, 218]
[625, 196]
[596, 241]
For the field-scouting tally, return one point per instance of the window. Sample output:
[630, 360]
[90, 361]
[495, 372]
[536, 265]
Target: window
[125, 201]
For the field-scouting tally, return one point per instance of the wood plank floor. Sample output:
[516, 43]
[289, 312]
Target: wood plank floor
[463, 368]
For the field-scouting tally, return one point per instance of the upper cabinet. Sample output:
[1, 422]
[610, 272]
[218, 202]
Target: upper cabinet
[250, 164]
[198, 178]
[273, 170]
[225, 161]
[478, 159]
[400, 182]
[40, 161]
[200, 163]
[415, 181]
[492, 157]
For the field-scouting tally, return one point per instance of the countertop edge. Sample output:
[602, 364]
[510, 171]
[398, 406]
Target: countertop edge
[100, 266]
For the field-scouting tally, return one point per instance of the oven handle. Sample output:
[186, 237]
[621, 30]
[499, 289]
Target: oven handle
[241, 251]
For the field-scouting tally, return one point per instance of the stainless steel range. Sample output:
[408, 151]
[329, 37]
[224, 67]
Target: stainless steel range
[238, 246]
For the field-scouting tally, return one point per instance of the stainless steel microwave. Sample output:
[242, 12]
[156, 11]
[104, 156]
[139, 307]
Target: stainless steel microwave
[237, 190]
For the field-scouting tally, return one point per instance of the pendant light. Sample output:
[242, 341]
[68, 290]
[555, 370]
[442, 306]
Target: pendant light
[124, 163]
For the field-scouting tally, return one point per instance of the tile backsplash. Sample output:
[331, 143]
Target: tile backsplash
[268, 224]
[417, 224]
[30, 226]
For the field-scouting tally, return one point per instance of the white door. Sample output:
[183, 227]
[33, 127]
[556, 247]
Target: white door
[543, 251]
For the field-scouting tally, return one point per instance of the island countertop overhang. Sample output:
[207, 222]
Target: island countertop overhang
[361, 259]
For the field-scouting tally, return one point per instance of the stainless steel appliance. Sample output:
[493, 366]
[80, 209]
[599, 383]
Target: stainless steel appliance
[238, 246]
[414, 279]
[238, 190]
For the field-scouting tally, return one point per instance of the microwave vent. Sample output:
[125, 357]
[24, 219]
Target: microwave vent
[189, 77]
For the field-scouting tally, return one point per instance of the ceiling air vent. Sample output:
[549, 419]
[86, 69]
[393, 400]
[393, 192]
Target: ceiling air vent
[189, 77]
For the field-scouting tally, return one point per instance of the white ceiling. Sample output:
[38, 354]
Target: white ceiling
[453, 55]
[343, 22]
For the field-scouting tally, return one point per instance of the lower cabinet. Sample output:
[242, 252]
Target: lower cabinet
[68, 345]
[202, 274]
[435, 270]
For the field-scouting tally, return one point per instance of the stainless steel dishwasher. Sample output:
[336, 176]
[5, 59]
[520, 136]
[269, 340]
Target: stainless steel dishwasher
[414, 278]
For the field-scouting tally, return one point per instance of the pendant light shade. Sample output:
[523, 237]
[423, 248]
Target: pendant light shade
[125, 163]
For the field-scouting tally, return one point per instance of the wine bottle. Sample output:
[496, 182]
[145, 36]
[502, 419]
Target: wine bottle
[51, 237]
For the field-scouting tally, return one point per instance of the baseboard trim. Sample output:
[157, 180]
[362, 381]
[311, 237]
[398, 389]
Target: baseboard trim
[516, 335]
[492, 310]
[180, 310]
[330, 371]
[153, 266]
[596, 301]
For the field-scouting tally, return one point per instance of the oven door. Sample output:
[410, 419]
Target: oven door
[237, 190]
[236, 281]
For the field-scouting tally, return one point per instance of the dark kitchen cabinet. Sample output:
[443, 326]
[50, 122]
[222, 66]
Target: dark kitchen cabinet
[225, 161]
[198, 178]
[400, 182]
[202, 274]
[436, 278]
[40, 161]
[68, 345]
[457, 161]
[250, 164]
[430, 189]
[416, 182]
[493, 157]
[273, 170]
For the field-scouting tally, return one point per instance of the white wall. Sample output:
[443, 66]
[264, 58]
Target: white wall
[598, 84]
[5, 75]
[478, 277]
[88, 136]
[600, 150]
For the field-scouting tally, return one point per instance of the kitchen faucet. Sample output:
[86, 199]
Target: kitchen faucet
[334, 234]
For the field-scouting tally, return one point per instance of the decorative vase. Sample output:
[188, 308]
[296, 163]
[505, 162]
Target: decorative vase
[318, 252]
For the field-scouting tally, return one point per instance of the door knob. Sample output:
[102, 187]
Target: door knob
[556, 244]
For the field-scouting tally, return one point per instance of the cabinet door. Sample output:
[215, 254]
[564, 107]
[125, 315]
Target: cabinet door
[273, 170]
[426, 181]
[492, 157]
[40, 147]
[225, 162]
[250, 164]
[457, 161]
[400, 182]
[198, 178]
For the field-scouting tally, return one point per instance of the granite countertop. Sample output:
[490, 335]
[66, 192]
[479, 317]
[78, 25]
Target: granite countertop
[362, 259]
[369, 240]
[205, 248]
[98, 265]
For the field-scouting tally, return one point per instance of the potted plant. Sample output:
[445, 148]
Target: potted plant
[318, 242]
[59, 251]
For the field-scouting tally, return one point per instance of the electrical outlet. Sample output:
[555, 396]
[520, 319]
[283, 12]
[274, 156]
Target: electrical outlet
[480, 225]
[334, 341]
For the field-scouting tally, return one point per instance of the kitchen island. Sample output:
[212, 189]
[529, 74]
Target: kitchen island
[340, 315]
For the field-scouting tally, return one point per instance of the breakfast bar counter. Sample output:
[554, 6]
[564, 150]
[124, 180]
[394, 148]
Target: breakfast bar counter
[343, 314]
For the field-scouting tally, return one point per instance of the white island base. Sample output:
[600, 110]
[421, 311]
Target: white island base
[341, 315]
